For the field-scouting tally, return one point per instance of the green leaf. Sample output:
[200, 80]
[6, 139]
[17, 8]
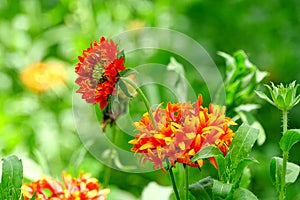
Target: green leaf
[207, 152]
[124, 88]
[229, 59]
[280, 102]
[247, 107]
[121, 54]
[241, 167]
[289, 97]
[289, 138]
[12, 177]
[240, 57]
[296, 101]
[34, 196]
[246, 178]
[175, 66]
[292, 172]
[221, 167]
[249, 118]
[180, 85]
[202, 189]
[242, 143]
[242, 194]
[230, 65]
[264, 96]
[260, 75]
[275, 172]
[221, 189]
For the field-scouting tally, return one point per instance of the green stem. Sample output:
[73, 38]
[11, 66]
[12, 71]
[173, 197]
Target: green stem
[174, 183]
[285, 159]
[186, 182]
[284, 164]
[284, 121]
[110, 158]
[144, 98]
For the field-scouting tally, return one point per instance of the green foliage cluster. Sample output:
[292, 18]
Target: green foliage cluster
[232, 177]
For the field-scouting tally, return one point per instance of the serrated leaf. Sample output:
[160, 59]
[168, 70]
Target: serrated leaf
[207, 152]
[221, 189]
[242, 143]
[12, 177]
[242, 194]
[289, 138]
[202, 189]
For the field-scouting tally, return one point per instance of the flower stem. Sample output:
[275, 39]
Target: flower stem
[174, 183]
[282, 187]
[144, 98]
[285, 159]
[186, 182]
[110, 158]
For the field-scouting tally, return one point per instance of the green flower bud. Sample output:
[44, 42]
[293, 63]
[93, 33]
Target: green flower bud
[283, 97]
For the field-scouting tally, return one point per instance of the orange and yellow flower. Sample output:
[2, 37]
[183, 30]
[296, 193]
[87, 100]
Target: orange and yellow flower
[43, 76]
[99, 69]
[181, 130]
[82, 188]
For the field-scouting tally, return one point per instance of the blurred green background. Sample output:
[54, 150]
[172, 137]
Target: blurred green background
[35, 124]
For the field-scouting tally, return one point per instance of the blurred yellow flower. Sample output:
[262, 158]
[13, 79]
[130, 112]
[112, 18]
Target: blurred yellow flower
[43, 76]
[135, 24]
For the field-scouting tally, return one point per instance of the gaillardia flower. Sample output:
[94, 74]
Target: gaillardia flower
[82, 188]
[181, 130]
[99, 70]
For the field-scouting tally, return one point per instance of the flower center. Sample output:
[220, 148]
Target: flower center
[98, 73]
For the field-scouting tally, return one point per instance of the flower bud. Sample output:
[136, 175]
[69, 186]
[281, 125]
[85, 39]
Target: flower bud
[283, 97]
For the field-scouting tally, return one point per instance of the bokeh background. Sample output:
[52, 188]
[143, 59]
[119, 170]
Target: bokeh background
[36, 120]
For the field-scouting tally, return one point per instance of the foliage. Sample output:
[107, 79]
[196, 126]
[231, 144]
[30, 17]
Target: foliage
[230, 168]
[242, 79]
[12, 178]
[283, 172]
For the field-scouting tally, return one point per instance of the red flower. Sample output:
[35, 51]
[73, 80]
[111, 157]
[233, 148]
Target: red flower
[84, 188]
[99, 70]
[182, 130]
